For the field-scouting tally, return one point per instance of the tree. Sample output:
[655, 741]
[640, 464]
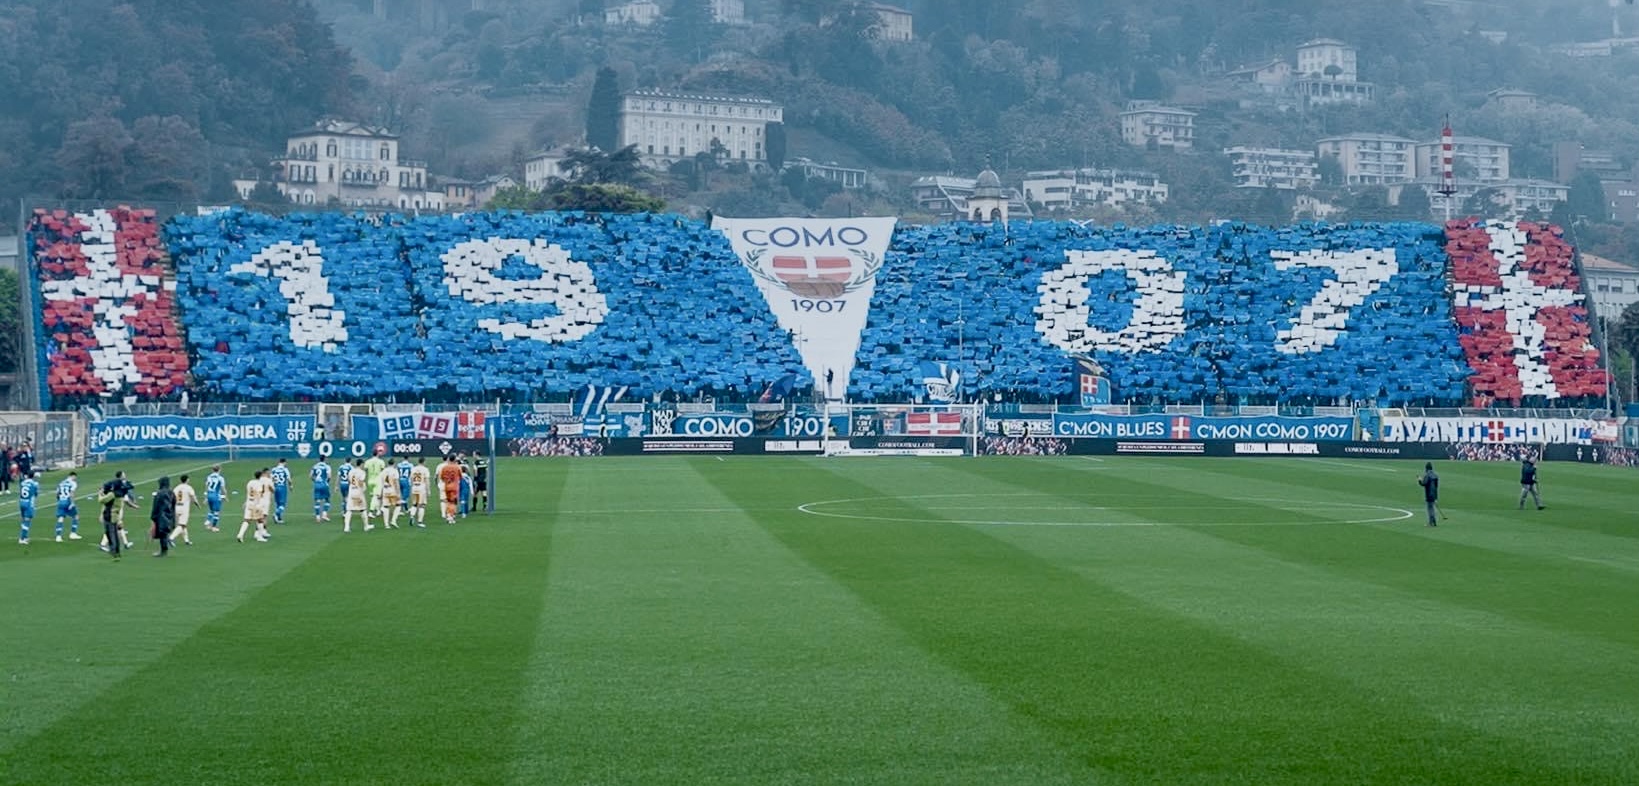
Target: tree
[692, 28]
[93, 158]
[11, 322]
[603, 198]
[603, 111]
[812, 11]
[1485, 203]
[167, 159]
[266, 197]
[1414, 204]
[1271, 208]
[491, 60]
[1587, 198]
[1147, 84]
[774, 139]
[1331, 171]
[517, 198]
[1370, 204]
[1625, 336]
[595, 166]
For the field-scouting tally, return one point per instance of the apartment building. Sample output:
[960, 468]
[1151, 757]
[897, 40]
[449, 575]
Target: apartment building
[1069, 189]
[1485, 160]
[1147, 123]
[1266, 167]
[1613, 285]
[1371, 159]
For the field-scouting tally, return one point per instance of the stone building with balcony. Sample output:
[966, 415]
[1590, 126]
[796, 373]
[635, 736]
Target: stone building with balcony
[353, 165]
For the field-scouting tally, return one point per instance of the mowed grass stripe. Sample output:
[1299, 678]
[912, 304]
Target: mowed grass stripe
[1129, 687]
[1558, 696]
[1456, 563]
[74, 623]
[692, 647]
[388, 657]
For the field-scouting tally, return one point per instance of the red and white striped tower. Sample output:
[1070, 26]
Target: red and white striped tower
[1448, 169]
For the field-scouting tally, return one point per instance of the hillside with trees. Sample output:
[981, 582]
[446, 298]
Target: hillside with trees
[157, 100]
[474, 87]
[1034, 84]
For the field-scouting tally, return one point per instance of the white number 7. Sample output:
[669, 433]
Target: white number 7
[1324, 320]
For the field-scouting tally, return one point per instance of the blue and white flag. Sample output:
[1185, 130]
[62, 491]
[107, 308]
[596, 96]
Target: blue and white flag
[942, 381]
[592, 400]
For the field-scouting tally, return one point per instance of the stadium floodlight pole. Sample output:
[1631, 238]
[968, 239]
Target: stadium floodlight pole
[1605, 352]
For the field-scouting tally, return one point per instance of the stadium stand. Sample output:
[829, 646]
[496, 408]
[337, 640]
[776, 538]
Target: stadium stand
[108, 318]
[1521, 310]
[532, 307]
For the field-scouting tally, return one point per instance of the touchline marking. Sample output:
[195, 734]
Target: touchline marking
[52, 508]
[812, 508]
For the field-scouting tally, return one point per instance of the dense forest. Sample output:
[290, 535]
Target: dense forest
[157, 99]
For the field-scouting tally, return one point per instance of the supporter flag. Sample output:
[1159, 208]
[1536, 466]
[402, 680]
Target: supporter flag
[770, 406]
[942, 381]
[933, 424]
[594, 399]
[778, 390]
[1094, 386]
[469, 425]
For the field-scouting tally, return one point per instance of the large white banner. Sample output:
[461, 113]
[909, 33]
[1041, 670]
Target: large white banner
[1481, 429]
[818, 276]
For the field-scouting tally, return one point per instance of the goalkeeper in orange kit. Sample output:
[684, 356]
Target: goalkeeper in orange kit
[449, 483]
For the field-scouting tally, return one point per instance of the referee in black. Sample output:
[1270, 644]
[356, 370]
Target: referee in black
[163, 515]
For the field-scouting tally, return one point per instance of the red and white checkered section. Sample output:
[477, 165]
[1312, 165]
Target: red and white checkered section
[108, 304]
[1522, 318]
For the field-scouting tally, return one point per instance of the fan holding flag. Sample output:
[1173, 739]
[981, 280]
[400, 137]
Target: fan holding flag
[942, 380]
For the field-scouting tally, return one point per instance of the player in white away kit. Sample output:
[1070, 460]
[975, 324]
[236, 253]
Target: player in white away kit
[390, 502]
[357, 499]
[185, 499]
[258, 502]
[421, 481]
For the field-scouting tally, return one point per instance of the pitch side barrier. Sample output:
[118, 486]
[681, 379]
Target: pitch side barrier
[1054, 446]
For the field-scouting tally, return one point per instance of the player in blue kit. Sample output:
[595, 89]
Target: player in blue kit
[216, 490]
[345, 481]
[66, 509]
[280, 476]
[466, 491]
[404, 468]
[27, 492]
[320, 475]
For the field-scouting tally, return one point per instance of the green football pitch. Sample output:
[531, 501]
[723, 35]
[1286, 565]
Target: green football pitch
[707, 620]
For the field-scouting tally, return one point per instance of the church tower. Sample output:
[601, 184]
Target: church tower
[988, 203]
